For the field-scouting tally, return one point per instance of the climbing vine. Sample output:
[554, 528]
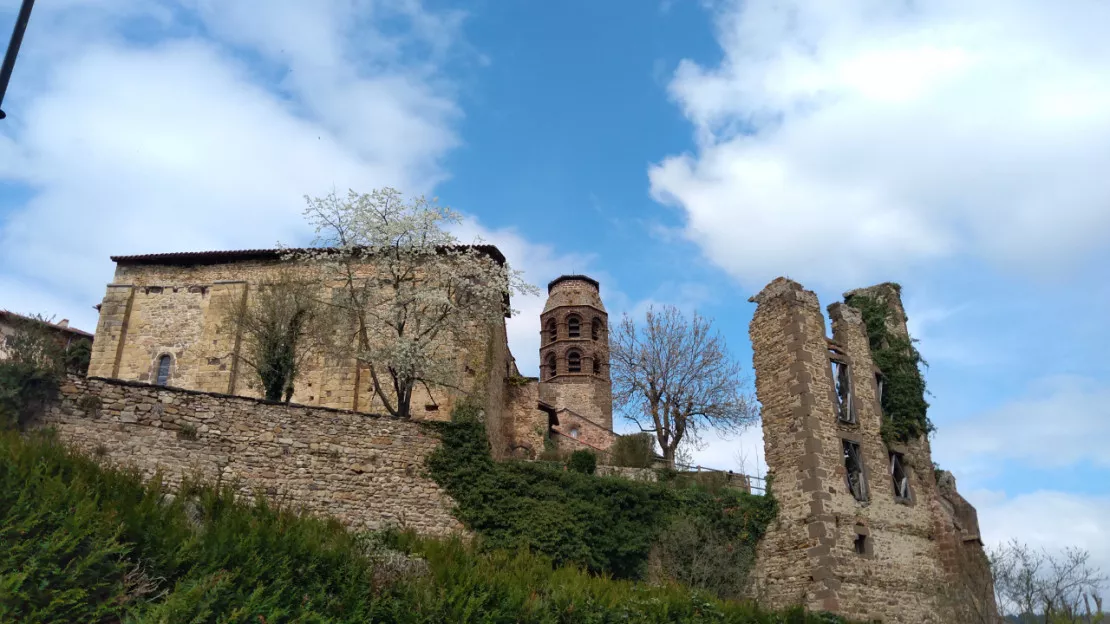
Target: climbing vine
[903, 398]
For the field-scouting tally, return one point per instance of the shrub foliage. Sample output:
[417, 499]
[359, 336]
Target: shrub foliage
[37, 358]
[80, 542]
[607, 525]
[583, 460]
[633, 450]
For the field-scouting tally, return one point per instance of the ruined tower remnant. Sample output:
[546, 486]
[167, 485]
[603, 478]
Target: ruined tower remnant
[863, 529]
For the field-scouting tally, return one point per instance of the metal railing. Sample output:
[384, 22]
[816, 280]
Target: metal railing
[750, 483]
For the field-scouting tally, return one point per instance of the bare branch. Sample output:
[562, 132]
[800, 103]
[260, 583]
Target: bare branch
[676, 378]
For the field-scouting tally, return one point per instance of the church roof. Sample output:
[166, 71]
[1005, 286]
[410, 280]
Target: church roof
[238, 255]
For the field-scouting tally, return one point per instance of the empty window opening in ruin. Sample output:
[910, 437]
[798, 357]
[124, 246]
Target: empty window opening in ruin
[898, 476]
[842, 379]
[879, 389]
[574, 432]
[574, 327]
[595, 328]
[550, 372]
[853, 466]
[574, 362]
[861, 544]
[552, 330]
[597, 366]
[163, 376]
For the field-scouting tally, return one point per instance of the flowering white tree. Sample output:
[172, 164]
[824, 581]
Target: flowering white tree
[411, 292]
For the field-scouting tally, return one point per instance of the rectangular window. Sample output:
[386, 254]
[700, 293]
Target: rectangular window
[861, 544]
[842, 379]
[853, 465]
[898, 476]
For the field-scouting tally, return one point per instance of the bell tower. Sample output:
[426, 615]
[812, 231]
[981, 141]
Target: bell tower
[574, 349]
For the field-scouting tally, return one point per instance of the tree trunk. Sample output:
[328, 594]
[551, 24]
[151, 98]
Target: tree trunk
[668, 455]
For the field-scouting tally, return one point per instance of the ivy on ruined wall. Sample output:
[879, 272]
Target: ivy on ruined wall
[903, 400]
[608, 525]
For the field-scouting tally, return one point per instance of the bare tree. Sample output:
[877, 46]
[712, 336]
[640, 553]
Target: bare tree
[1038, 586]
[409, 291]
[282, 323]
[674, 377]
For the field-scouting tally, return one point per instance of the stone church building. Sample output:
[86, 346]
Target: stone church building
[165, 320]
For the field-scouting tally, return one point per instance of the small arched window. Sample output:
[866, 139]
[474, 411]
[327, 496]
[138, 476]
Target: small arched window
[574, 432]
[550, 365]
[552, 330]
[597, 366]
[574, 362]
[574, 326]
[163, 370]
[595, 328]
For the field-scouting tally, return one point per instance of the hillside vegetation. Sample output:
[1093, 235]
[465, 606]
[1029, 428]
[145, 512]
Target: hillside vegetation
[80, 542]
[614, 526]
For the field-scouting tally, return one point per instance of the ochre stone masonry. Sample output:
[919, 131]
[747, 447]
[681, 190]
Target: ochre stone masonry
[885, 557]
[367, 471]
[180, 306]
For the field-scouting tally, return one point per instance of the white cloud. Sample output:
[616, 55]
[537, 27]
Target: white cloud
[839, 141]
[1062, 421]
[540, 264]
[173, 141]
[1046, 519]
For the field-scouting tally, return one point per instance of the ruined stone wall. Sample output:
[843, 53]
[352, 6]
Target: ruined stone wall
[877, 558]
[184, 312]
[364, 470]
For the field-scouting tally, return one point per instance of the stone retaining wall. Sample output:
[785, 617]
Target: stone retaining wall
[366, 471]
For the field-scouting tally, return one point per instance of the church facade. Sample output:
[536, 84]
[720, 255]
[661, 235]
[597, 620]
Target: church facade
[165, 320]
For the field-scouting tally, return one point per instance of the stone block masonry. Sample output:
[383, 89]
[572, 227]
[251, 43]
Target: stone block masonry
[181, 308]
[366, 471]
[851, 537]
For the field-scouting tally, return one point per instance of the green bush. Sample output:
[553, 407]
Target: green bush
[699, 555]
[37, 359]
[634, 450]
[583, 461]
[83, 543]
[607, 525]
[507, 586]
[24, 389]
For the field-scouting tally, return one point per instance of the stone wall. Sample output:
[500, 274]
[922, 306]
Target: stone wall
[525, 426]
[184, 311]
[883, 557]
[574, 431]
[367, 471]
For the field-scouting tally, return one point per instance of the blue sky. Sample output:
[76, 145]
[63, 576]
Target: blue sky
[681, 152]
